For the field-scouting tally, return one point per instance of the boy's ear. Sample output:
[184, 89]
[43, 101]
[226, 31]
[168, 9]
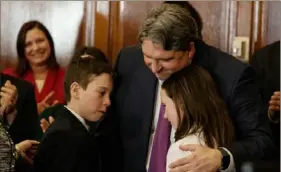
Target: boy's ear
[191, 52]
[75, 90]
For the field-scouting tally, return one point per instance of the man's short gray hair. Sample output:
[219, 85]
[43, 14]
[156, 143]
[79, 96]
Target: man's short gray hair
[170, 26]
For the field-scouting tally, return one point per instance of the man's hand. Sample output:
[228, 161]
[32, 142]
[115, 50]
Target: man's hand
[274, 103]
[202, 159]
[274, 106]
[45, 124]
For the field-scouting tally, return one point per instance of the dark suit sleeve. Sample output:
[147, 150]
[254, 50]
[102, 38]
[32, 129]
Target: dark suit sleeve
[26, 123]
[257, 65]
[55, 153]
[254, 140]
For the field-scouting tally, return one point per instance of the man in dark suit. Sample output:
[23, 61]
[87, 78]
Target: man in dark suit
[170, 42]
[24, 125]
[70, 144]
[266, 63]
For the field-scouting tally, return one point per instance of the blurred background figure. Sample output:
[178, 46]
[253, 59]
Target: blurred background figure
[23, 122]
[16, 126]
[37, 64]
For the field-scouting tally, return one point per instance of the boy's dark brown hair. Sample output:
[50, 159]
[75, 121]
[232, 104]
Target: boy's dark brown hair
[203, 110]
[92, 51]
[81, 69]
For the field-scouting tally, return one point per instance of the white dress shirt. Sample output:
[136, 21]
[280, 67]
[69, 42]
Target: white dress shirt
[79, 118]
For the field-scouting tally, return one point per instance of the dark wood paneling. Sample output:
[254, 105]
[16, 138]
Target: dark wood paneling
[265, 26]
[62, 18]
[244, 18]
[215, 16]
[274, 21]
[112, 25]
[102, 25]
[132, 15]
[117, 23]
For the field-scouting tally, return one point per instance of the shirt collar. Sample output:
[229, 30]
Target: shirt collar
[79, 118]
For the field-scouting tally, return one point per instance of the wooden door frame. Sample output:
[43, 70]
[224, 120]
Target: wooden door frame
[108, 15]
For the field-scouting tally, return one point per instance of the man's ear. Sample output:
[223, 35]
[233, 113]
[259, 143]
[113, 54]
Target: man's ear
[75, 90]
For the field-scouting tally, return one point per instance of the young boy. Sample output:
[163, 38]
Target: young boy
[69, 145]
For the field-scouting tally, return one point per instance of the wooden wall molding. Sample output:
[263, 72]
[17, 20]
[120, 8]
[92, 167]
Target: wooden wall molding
[230, 24]
[116, 29]
[102, 25]
[89, 17]
[117, 23]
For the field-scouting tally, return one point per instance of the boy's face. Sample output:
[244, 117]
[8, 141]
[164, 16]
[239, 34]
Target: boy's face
[95, 99]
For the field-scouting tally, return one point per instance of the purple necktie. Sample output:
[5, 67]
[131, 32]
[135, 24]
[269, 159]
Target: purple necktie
[161, 144]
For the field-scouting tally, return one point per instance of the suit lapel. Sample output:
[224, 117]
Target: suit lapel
[144, 90]
[147, 84]
[137, 95]
[75, 122]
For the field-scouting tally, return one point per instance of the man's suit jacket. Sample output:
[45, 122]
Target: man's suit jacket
[266, 63]
[67, 146]
[25, 123]
[134, 98]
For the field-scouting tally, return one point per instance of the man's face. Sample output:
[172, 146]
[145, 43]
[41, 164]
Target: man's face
[164, 63]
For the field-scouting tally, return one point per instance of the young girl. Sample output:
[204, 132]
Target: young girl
[196, 111]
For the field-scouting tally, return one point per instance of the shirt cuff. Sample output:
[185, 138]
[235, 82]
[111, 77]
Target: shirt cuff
[273, 117]
[231, 167]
